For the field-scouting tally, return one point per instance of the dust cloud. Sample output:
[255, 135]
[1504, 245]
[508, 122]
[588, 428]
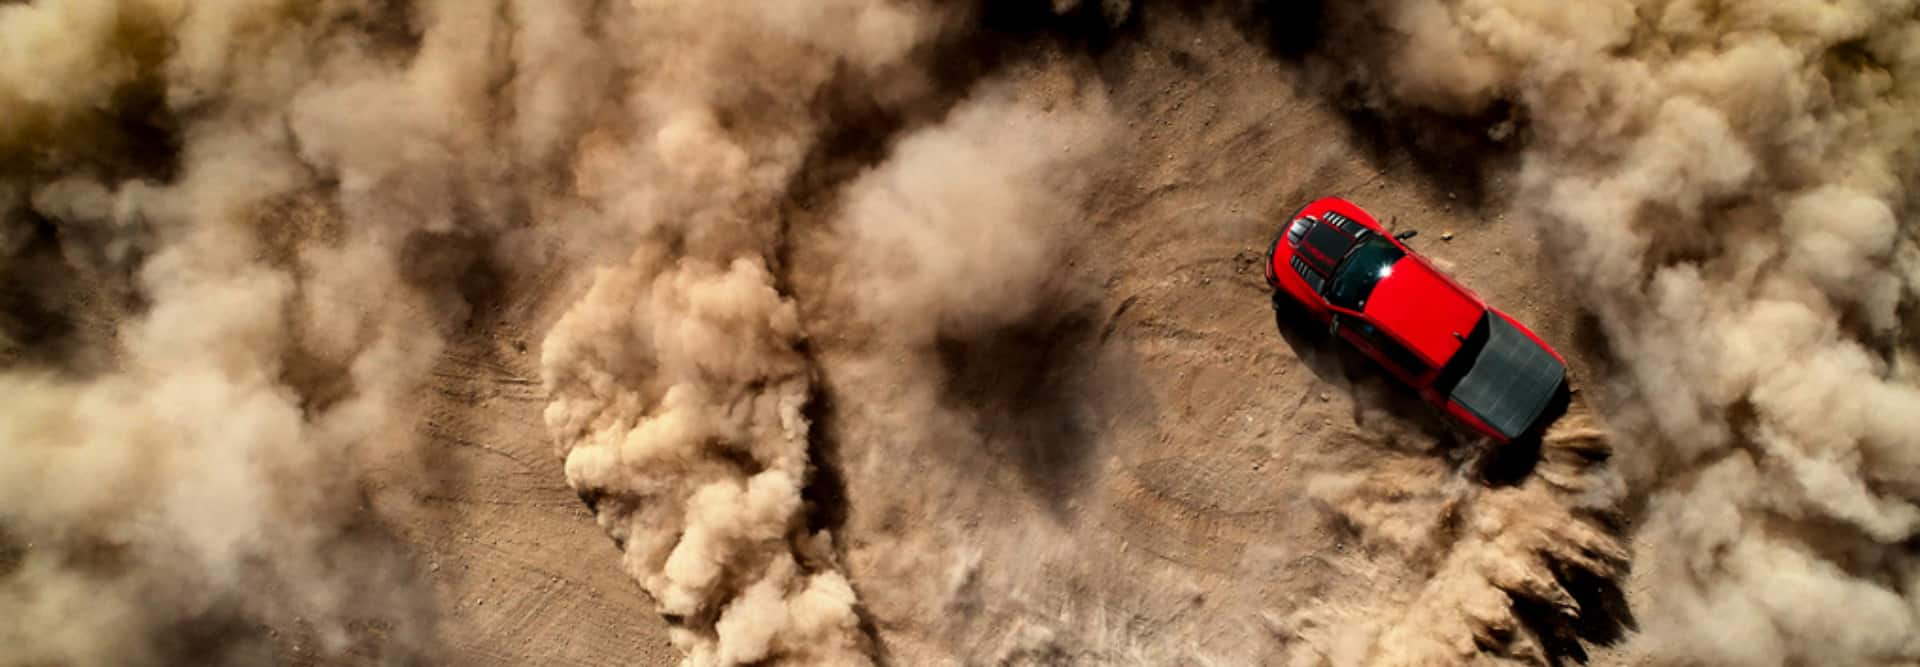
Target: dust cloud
[952, 267]
[289, 207]
[1519, 571]
[275, 203]
[959, 231]
[680, 390]
[683, 389]
[1731, 185]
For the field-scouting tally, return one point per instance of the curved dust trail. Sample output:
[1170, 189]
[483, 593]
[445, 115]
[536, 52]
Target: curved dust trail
[679, 390]
[681, 395]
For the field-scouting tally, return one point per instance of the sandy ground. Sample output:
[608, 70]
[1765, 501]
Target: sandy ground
[521, 573]
[1145, 495]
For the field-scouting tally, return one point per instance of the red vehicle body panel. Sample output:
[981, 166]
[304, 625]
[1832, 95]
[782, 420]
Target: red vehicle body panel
[1426, 310]
[1414, 305]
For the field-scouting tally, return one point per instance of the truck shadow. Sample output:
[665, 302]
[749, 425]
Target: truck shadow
[1374, 390]
[1511, 463]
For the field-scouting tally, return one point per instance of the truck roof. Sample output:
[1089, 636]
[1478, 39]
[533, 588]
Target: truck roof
[1424, 309]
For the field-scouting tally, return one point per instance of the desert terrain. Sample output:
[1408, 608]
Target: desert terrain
[912, 334]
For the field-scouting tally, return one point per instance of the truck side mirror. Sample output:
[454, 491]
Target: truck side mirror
[1402, 236]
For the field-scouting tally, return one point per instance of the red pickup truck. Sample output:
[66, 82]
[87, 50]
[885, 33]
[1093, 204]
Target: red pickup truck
[1480, 365]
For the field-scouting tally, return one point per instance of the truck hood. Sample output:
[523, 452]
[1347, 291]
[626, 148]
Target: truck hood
[1323, 247]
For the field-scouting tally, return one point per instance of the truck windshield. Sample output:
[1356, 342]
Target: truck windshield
[1364, 266]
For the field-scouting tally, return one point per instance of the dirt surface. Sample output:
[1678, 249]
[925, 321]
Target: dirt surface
[520, 572]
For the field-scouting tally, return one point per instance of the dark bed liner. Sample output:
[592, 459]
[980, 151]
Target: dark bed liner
[1512, 380]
